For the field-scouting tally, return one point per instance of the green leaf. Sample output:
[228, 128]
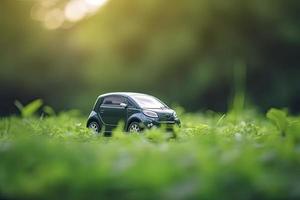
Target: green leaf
[279, 118]
[49, 110]
[30, 109]
[19, 105]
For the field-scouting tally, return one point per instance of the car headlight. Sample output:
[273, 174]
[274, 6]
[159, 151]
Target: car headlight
[150, 113]
[175, 115]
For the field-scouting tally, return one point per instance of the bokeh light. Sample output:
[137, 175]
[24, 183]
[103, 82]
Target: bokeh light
[97, 3]
[75, 10]
[55, 15]
[54, 19]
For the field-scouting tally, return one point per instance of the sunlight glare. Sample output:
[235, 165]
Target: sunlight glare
[76, 10]
[97, 3]
[94, 5]
[55, 15]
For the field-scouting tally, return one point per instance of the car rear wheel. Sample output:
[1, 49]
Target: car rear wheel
[94, 126]
[134, 127]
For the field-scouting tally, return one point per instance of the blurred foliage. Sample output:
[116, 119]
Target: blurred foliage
[184, 52]
[213, 156]
[279, 118]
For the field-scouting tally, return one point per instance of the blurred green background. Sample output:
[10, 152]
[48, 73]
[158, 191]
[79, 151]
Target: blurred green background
[193, 52]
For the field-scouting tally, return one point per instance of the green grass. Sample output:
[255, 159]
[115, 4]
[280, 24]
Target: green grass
[213, 156]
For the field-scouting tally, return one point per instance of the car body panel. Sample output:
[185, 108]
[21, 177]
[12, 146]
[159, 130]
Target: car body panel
[111, 115]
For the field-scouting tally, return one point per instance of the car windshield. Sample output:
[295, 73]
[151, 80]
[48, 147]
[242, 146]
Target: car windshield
[148, 102]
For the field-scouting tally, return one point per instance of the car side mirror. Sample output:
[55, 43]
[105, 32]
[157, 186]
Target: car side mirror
[124, 105]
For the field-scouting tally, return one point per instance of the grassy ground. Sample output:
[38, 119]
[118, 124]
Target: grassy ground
[213, 156]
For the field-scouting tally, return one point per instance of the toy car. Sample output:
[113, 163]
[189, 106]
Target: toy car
[138, 111]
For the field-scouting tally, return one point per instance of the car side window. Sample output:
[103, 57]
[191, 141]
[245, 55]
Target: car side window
[130, 104]
[113, 101]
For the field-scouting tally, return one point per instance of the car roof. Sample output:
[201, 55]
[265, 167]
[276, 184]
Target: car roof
[125, 94]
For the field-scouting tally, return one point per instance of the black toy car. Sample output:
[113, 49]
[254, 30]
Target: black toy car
[138, 111]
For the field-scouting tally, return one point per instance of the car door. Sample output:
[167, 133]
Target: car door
[111, 112]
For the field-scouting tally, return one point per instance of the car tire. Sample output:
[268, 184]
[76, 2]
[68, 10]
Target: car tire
[94, 126]
[134, 127]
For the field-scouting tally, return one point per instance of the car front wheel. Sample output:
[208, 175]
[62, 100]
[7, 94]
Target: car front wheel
[94, 126]
[134, 127]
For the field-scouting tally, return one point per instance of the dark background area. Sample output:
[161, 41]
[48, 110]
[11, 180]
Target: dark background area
[184, 52]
